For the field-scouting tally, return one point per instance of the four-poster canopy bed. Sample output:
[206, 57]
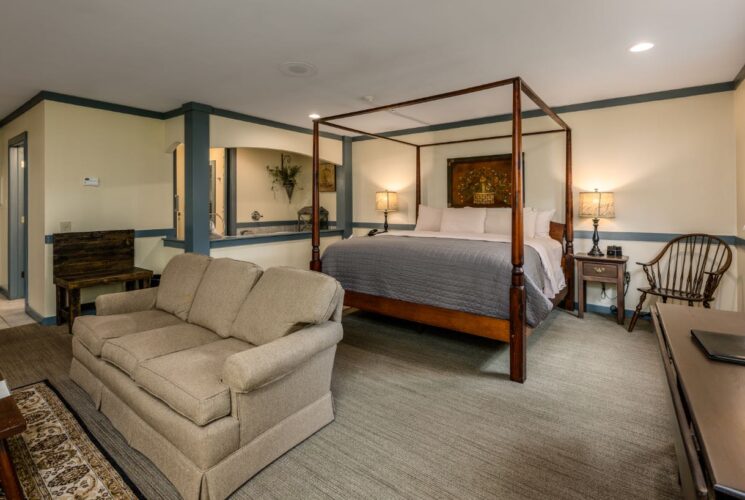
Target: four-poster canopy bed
[514, 329]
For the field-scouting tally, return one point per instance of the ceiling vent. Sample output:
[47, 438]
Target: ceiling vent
[298, 69]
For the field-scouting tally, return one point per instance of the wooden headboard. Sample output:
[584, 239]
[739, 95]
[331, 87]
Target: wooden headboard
[558, 231]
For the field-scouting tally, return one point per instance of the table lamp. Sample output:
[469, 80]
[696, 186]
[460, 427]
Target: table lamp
[386, 201]
[597, 205]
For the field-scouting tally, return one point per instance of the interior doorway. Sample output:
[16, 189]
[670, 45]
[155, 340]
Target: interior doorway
[18, 217]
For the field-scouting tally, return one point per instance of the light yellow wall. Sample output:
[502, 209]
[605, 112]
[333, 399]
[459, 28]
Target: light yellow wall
[254, 187]
[128, 155]
[125, 152]
[740, 153]
[671, 164]
[229, 133]
[181, 192]
[31, 122]
[284, 253]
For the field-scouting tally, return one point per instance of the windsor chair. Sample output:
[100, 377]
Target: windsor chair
[689, 269]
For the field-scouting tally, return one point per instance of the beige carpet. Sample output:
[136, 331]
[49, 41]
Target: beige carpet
[423, 413]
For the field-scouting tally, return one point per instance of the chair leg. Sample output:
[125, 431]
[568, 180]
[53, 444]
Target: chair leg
[707, 305]
[637, 311]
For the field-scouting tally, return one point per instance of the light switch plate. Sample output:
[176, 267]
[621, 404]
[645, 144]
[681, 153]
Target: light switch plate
[90, 181]
[65, 227]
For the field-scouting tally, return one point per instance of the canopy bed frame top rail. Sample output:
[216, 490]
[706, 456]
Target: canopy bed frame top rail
[515, 329]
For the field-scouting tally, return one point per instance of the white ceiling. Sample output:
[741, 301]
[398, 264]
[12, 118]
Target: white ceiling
[158, 54]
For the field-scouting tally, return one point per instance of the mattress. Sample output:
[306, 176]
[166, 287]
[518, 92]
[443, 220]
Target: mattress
[464, 272]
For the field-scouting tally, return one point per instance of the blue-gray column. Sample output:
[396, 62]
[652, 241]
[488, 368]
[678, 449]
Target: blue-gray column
[197, 177]
[344, 189]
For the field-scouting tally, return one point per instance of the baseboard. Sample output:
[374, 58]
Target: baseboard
[597, 308]
[48, 321]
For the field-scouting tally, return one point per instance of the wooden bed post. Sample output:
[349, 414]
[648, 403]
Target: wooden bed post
[569, 223]
[517, 288]
[418, 181]
[315, 261]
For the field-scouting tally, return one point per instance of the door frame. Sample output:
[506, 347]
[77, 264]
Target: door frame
[17, 231]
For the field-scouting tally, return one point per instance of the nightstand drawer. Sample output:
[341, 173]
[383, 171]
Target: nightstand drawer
[599, 269]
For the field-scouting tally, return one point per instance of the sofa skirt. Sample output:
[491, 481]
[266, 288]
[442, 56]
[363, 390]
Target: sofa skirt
[222, 479]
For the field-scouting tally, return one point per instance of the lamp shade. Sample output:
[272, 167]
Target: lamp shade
[595, 204]
[386, 201]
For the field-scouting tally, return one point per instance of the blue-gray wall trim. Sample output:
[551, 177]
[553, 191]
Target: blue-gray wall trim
[266, 223]
[603, 103]
[139, 233]
[256, 239]
[197, 178]
[231, 175]
[48, 321]
[740, 77]
[22, 109]
[581, 234]
[600, 309]
[46, 95]
[634, 236]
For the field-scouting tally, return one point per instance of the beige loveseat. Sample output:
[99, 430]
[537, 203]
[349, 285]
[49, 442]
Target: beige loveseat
[216, 372]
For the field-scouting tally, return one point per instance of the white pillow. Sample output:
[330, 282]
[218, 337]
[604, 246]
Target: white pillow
[430, 219]
[543, 223]
[463, 220]
[499, 221]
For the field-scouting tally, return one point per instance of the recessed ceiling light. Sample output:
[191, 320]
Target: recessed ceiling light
[298, 69]
[641, 47]
[314, 116]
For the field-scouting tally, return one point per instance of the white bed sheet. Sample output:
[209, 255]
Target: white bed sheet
[549, 250]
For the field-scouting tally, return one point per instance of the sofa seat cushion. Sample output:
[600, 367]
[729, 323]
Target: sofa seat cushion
[283, 301]
[190, 381]
[179, 282]
[129, 351]
[222, 291]
[94, 331]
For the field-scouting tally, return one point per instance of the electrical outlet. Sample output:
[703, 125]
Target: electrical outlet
[65, 227]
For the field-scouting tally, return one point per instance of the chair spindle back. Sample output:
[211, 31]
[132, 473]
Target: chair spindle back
[691, 264]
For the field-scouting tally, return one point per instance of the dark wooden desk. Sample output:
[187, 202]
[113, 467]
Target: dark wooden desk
[609, 270]
[708, 401]
[12, 423]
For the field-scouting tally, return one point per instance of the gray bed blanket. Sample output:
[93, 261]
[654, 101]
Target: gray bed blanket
[465, 275]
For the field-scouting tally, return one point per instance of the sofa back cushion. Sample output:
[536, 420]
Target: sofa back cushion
[179, 283]
[222, 291]
[283, 301]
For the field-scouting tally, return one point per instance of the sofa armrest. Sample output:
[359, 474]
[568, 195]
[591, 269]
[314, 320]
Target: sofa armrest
[250, 369]
[126, 302]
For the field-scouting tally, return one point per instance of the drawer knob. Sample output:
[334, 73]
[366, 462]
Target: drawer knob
[599, 269]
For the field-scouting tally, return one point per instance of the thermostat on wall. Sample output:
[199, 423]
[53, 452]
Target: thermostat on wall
[90, 181]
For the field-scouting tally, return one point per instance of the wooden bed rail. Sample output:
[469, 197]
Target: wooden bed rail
[517, 322]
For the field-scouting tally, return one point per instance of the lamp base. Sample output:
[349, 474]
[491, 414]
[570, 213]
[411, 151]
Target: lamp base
[595, 252]
[385, 221]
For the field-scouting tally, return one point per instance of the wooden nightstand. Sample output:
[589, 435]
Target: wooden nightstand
[603, 270]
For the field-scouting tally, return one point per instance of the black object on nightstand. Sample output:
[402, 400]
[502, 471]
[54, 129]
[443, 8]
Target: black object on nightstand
[602, 270]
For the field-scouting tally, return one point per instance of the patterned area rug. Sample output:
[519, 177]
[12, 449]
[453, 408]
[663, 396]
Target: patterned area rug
[56, 458]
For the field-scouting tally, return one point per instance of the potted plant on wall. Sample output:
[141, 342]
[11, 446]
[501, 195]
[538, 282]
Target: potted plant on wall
[284, 176]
